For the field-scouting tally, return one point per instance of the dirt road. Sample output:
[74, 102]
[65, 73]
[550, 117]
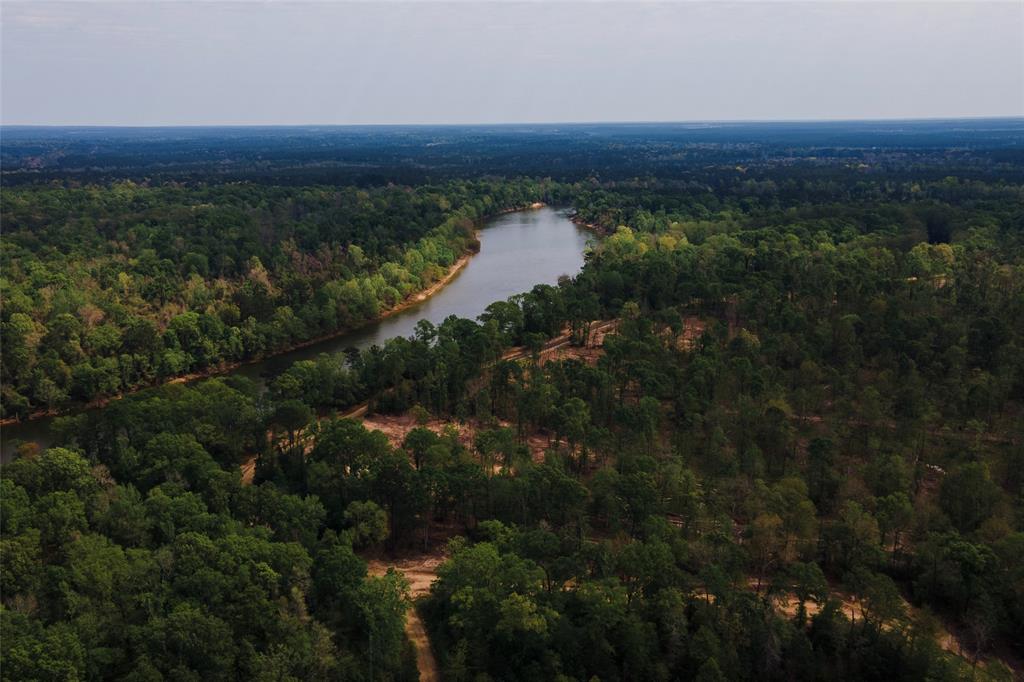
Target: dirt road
[420, 572]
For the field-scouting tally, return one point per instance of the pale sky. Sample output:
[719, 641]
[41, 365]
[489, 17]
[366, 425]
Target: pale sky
[195, 63]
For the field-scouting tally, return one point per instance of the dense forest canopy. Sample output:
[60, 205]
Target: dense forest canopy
[110, 288]
[774, 429]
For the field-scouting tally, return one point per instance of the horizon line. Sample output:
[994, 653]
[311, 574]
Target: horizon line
[915, 119]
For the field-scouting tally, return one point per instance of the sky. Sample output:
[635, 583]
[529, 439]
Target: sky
[285, 63]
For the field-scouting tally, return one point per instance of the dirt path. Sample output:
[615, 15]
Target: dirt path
[421, 572]
[946, 635]
[595, 337]
[248, 470]
[417, 634]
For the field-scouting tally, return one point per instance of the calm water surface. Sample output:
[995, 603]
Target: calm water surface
[517, 251]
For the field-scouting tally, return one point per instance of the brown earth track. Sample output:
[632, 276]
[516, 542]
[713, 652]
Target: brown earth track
[421, 572]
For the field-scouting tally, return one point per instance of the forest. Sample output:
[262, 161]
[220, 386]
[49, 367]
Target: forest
[773, 429]
[109, 290]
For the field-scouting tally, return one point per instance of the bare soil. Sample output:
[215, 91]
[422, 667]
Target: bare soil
[397, 426]
[946, 635]
[248, 470]
[420, 571]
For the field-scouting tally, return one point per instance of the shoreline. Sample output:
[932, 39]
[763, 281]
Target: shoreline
[593, 227]
[224, 368]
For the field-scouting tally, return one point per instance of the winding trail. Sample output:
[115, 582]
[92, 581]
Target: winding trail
[417, 634]
[421, 572]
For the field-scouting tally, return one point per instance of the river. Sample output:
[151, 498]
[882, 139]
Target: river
[517, 251]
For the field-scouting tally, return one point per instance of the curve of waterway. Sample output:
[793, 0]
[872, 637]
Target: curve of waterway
[517, 251]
